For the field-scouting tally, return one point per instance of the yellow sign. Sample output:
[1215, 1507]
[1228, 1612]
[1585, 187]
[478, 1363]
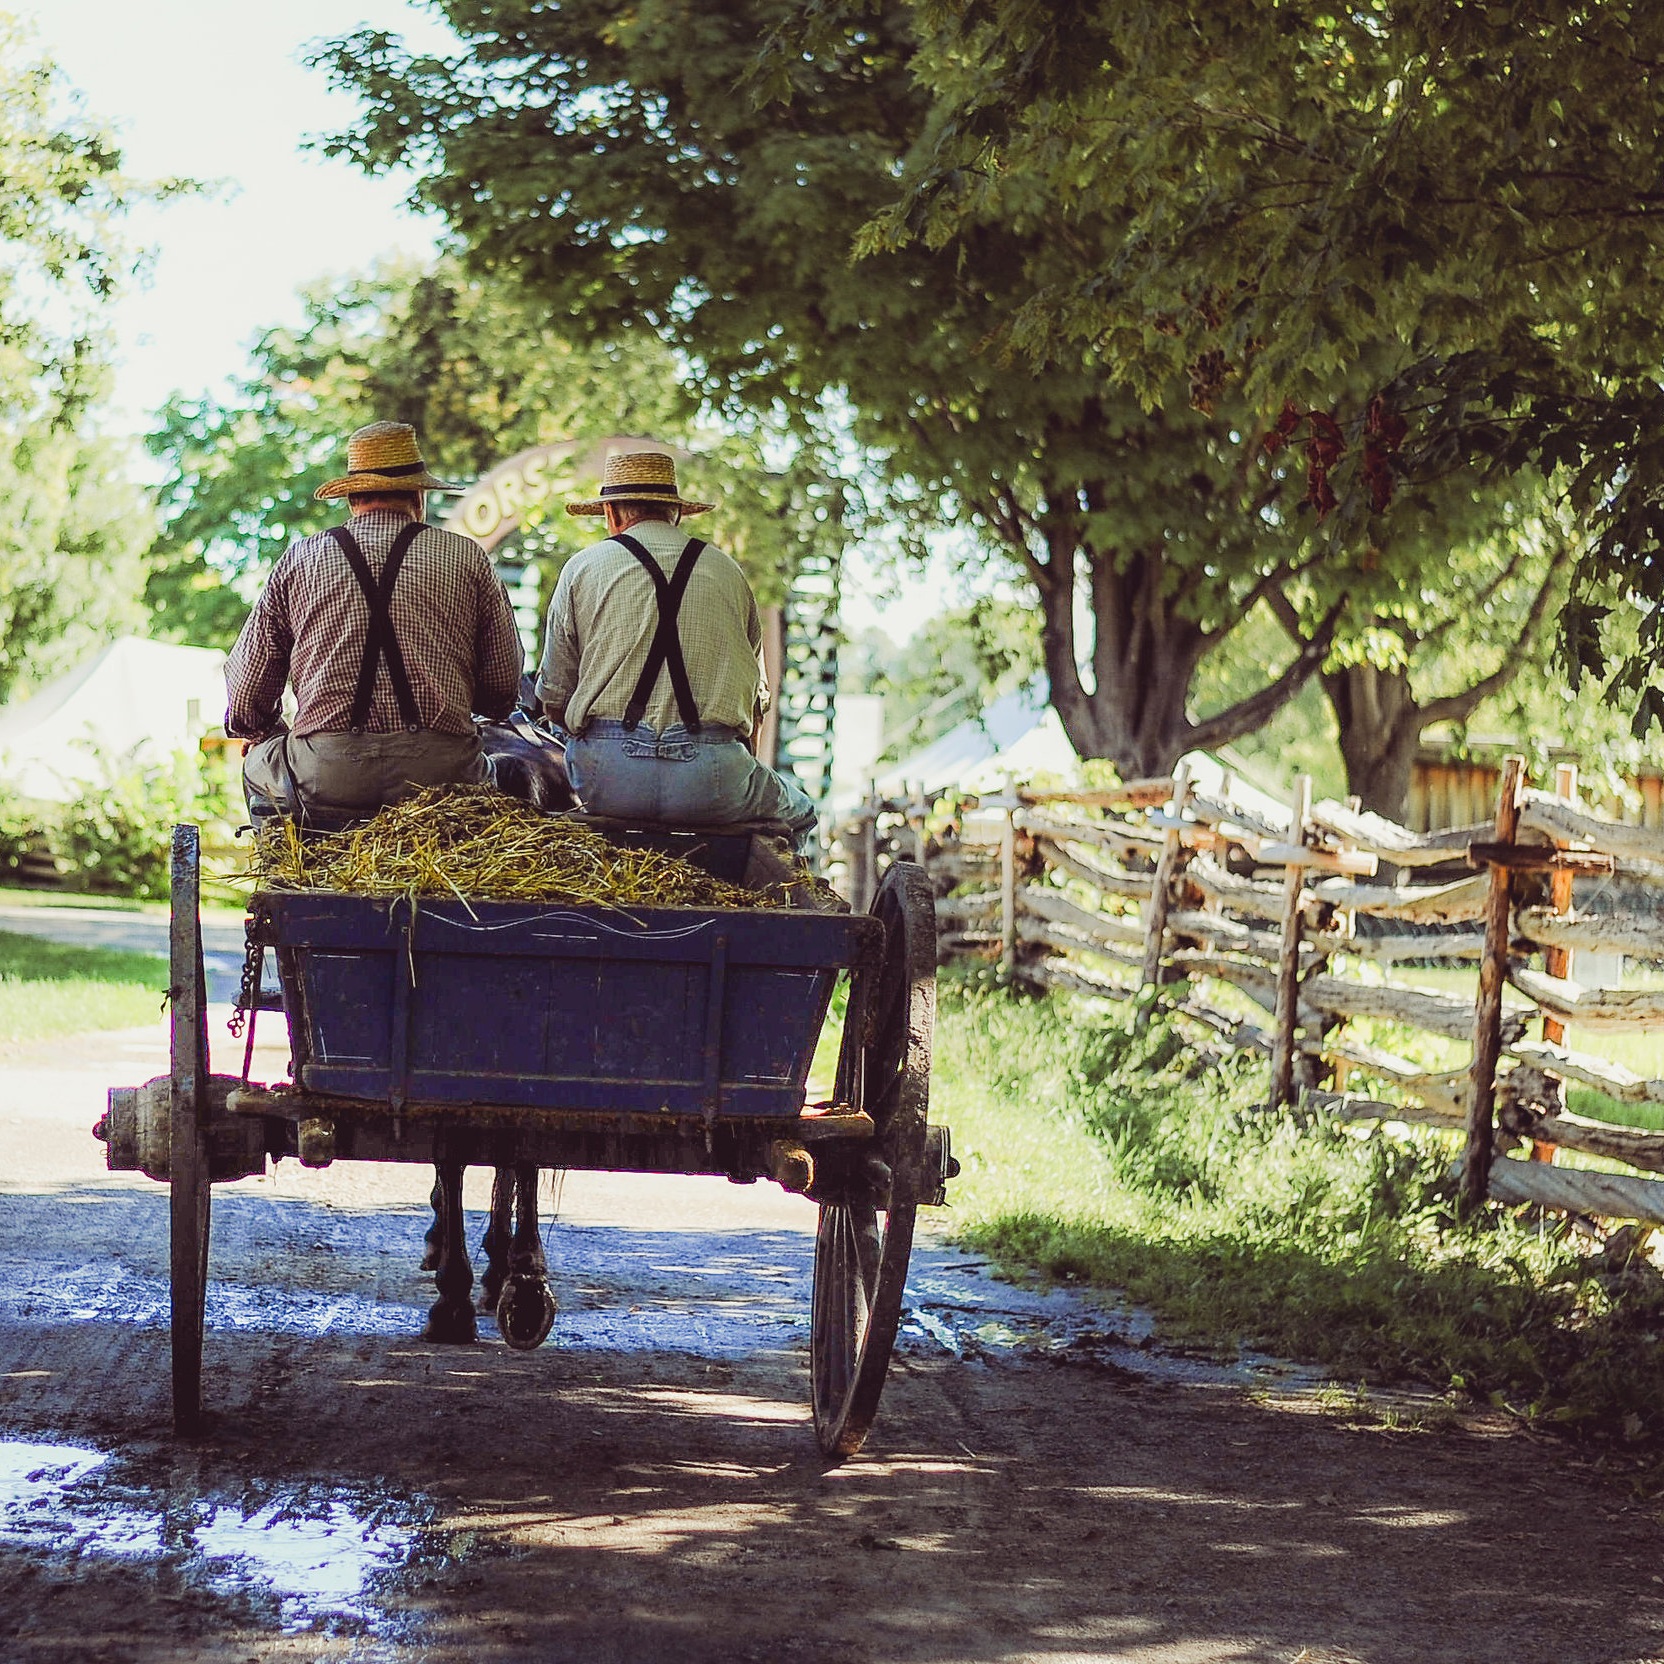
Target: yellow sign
[493, 507]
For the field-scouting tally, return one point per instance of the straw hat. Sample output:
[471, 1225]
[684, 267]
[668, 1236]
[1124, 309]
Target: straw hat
[383, 457]
[639, 477]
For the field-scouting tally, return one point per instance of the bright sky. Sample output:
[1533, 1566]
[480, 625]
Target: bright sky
[212, 90]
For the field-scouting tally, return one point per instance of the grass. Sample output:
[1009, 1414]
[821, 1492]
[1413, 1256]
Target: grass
[47, 989]
[1128, 1162]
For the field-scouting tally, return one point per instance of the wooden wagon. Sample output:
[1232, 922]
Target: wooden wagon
[645, 1040]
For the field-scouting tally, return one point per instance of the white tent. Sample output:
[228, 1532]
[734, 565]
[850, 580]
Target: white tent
[1020, 736]
[1016, 737]
[136, 701]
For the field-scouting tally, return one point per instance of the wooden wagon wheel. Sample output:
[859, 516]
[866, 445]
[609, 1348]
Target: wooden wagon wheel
[188, 1127]
[865, 1237]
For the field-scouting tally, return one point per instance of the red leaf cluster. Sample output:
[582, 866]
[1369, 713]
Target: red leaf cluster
[1384, 431]
[1325, 446]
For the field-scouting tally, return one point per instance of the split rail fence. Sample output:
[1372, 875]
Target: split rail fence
[1165, 894]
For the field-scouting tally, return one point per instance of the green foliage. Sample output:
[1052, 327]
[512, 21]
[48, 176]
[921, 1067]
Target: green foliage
[48, 989]
[480, 375]
[1434, 226]
[1137, 1163]
[612, 160]
[114, 838]
[951, 668]
[75, 527]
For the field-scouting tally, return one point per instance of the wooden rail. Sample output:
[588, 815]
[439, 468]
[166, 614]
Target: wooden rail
[1179, 894]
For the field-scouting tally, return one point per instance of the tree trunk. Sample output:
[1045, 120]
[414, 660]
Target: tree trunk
[1144, 659]
[1380, 730]
[1145, 654]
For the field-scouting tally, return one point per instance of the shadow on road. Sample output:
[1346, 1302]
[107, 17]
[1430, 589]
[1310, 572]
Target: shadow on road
[647, 1488]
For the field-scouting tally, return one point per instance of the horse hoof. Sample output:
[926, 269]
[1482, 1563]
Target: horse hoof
[491, 1291]
[451, 1325]
[526, 1312]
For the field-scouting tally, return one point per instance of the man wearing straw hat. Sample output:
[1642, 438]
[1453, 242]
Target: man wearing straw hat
[651, 661]
[394, 634]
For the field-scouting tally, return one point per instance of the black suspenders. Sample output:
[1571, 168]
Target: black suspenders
[666, 651]
[379, 639]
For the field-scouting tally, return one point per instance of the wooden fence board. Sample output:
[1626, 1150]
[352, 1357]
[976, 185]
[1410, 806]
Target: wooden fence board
[1058, 909]
[1039, 934]
[1124, 884]
[1437, 1013]
[1599, 1072]
[1109, 835]
[1640, 847]
[1576, 1190]
[1244, 895]
[1392, 842]
[1457, 903]
[1639, 1146]
[1640, 936]
[1572, 1003]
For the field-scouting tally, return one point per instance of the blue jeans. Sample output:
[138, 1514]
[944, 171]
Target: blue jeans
[682, 779]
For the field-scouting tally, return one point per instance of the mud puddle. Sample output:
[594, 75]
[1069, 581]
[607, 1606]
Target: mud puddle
[300, 1557]
[955, 1304]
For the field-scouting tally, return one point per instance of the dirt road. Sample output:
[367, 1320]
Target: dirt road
[646, 1488]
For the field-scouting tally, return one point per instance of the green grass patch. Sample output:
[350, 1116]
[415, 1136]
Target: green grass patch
[1095, 1156]
[47, 989]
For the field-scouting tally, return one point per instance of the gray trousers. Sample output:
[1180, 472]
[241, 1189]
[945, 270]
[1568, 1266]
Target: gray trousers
[355, 771]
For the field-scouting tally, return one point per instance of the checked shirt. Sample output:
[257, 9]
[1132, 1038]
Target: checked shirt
[450, 614]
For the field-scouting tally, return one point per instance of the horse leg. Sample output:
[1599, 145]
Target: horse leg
[495, 1245]
[451, 1318]
[526, 1312]
[430, 1242]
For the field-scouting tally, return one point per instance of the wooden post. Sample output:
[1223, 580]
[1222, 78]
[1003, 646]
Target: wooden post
[916, 818]
[1558, 961]
[1155, 922]
[1288, 957]
[1487, 1016]
[869, 856]
[1008, 890]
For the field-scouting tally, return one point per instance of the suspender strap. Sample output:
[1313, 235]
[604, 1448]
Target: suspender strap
[379, 640]
[666, 651]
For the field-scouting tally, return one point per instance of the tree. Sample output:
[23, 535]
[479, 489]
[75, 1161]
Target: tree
[1437, 227]
[612, 160]
[1470, 641]
[480, 376]
[956, 664]
[75, 527]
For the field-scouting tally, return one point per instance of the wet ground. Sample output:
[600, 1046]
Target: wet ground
[1044, 1482]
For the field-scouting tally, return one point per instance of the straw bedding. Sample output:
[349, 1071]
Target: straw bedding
[474, 843]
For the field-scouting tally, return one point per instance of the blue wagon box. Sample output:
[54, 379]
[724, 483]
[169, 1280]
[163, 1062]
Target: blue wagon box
[545, 1006]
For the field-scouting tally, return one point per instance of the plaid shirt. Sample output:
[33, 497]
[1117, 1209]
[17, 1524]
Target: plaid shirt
[601, 622]
[450, 614]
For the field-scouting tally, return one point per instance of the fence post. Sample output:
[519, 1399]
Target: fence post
[1487, 1015]
[1008, 890]
[916, 819]
[1288, 956]
[868, 862]
[1155, 925]
[1558, 961]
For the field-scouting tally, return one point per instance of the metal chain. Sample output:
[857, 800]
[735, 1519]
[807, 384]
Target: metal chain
[249, 992]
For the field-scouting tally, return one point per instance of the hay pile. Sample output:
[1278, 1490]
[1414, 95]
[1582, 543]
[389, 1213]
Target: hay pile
[474, 843]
